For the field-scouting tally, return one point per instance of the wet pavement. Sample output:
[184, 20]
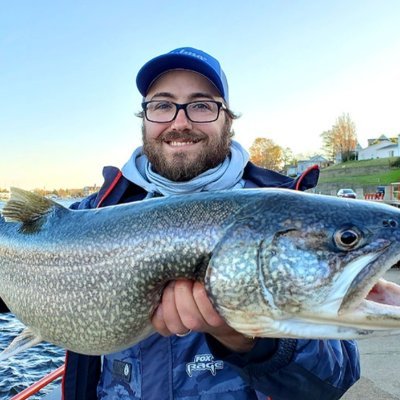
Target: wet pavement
[380, 365]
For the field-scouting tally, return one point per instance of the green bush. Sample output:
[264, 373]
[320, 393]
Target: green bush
[395, 163]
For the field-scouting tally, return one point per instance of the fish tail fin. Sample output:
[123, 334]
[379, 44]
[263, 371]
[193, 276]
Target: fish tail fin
[26, 339]
[28, 208]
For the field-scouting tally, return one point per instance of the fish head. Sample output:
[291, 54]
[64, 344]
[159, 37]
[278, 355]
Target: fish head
[318, 268]
[323, 268]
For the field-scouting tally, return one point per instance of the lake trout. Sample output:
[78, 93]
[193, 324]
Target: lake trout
[275, 263]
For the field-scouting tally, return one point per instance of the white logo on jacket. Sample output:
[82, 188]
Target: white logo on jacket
[204, 362]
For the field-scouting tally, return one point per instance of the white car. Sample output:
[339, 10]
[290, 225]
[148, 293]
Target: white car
[348, 193]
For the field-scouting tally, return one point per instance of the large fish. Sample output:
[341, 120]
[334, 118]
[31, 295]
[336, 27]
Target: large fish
[275, 262]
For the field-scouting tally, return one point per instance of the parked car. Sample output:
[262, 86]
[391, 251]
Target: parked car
[348, 193]
[380, 190]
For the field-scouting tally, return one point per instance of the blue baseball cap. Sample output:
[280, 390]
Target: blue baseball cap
[183, 58]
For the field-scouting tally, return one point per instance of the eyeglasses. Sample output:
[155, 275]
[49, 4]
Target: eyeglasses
[196, 111]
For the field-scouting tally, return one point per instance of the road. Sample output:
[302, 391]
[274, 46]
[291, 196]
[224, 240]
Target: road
[380, 365]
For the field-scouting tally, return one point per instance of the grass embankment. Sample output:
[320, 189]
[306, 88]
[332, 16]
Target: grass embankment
[362, 173]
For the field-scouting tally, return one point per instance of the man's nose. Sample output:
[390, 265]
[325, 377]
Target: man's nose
[181, 122]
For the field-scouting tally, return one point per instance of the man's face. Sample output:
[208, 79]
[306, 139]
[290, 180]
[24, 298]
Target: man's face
[180, 150]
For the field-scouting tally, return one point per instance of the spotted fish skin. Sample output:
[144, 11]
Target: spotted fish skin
[89, 280]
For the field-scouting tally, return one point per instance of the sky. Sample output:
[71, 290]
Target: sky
[67, 75]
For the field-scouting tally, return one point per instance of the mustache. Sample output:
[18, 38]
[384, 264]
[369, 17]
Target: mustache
[171, 136]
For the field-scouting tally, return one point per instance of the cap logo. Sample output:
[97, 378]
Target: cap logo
[183, 58]
[190, 53]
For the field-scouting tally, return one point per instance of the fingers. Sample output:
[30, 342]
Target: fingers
[158, 321]
[185, 306]
[166, 319]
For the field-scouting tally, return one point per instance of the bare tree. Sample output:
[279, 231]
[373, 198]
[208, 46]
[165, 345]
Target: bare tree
[341, 139]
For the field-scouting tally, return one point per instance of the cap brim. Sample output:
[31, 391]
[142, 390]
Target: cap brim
[157, 66]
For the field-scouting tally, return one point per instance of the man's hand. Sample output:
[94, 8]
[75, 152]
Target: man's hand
[185, 306]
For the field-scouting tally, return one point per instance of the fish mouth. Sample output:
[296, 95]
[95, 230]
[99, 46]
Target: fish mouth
[385, 292]
[372, 298]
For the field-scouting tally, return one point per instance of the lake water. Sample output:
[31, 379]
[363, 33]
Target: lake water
[19, 372]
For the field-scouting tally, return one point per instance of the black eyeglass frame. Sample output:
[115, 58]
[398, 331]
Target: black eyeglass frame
[221, 106]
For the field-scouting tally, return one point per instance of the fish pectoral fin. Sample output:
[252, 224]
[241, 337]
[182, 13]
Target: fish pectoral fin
[26, 339]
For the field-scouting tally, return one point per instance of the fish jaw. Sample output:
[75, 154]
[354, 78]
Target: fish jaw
[371, 302]
[302, 328]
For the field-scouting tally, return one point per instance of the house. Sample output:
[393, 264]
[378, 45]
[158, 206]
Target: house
[353, 154]
[319, 160]
[302, 165]
[88, 190]
[381, 147]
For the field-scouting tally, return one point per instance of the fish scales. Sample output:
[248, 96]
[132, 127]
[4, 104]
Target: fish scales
[114, 260]
[275, 263]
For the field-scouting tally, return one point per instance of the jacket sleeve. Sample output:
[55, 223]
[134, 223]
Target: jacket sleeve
[85, 203]
[286, 369]
[261, 177]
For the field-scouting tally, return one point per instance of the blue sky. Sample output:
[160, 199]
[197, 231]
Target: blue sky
[67, 75]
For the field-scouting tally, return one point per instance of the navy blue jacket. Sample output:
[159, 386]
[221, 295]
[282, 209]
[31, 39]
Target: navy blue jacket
[198, 366]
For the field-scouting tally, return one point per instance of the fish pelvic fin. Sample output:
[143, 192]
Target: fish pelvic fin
[28, 208]
[26, 339]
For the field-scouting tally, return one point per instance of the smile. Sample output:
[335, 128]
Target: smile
[180, 144]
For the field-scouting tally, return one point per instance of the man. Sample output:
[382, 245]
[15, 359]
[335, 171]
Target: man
[188, 147]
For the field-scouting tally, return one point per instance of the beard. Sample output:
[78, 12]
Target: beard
[180, 167]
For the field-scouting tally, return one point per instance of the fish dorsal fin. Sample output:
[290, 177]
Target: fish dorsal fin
[28, 208]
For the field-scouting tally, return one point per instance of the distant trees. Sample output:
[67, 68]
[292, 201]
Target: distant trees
[289, 159]
[41, 192]
[266, 153]
[341, 139]
[60, 192]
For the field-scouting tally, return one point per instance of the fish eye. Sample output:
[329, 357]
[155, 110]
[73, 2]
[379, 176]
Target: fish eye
[347, 238]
